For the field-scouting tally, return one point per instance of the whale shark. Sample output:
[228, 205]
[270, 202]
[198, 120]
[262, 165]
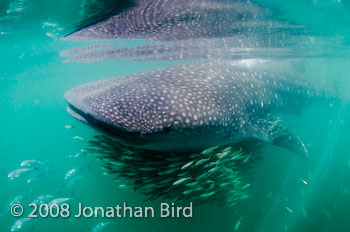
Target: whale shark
[181, 30]
[197, 105]
[171, 20]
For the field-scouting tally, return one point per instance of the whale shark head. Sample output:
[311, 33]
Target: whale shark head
[157, 110]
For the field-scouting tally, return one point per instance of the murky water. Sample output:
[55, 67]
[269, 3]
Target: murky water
[286, 192]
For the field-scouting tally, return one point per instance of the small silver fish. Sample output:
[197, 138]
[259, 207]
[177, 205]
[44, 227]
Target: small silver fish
[68, 127]
[167, 172]
[191, 184]
[302, 180]
[116, 163]
[211, 164]
[223, 154]
[214, 169]
[147, 169]
[31, 163]
[78, 137]
[236, 156]
[75, 155]
[197, 189]
[289, 209]
[187, 165]
[247, 159]
[182, 180]
[101, 226]
[59, 201]
[72, 172]
[187, 192]
[209, 150]
[201, 161]
[227, 149]
[225, 184]
[204, 175]
[128, 157]
[19, 172]
[238, 224]
[42, 199]
[19, 224]
[205, 195]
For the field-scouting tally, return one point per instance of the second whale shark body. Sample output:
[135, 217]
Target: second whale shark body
[179, 19]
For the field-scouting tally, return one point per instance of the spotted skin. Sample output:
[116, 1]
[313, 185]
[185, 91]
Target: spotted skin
[180, 19]
[181, 30]
[276, 45]
[195, 105]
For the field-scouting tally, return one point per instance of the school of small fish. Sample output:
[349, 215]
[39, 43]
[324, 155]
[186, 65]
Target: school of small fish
[216, 173]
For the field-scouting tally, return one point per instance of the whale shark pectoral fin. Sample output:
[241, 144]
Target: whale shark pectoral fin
[286, 139]
[275, 133]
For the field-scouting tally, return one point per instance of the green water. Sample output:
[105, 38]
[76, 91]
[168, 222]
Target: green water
[288, 193]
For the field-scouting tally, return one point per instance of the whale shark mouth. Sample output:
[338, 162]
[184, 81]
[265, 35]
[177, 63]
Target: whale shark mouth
[88, 118]
[71, 110]
[123, 136]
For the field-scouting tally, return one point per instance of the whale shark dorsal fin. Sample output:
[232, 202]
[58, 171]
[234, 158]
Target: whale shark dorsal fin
[275, 133]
